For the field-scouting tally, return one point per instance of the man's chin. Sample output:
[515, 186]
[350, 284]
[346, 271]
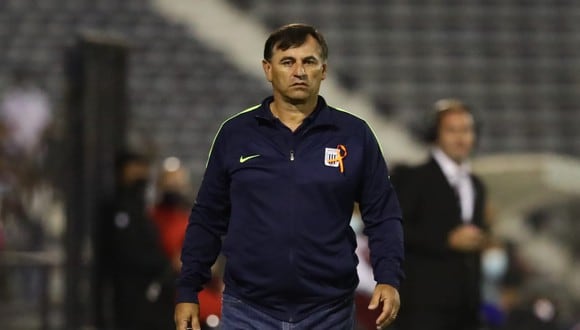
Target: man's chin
[459, 157]
[297, 99]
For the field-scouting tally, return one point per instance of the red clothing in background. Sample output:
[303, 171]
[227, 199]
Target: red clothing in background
[171, 222]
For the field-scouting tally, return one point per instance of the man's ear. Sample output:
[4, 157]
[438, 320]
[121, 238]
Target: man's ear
[324, 69]
[267, 66]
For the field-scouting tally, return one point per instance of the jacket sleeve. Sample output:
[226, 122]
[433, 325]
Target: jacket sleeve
[207, 224]
[381, 215]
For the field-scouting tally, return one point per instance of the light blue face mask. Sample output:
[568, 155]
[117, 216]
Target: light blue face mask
[494, 262]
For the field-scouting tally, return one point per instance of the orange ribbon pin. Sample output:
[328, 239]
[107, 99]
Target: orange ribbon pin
[341, 155]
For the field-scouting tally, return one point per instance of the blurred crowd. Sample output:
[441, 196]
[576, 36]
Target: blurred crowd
[26, 130]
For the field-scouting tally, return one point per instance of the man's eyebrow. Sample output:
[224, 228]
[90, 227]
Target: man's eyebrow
[309, 57]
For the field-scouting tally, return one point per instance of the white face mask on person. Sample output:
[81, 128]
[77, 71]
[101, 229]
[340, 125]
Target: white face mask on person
[494, 262]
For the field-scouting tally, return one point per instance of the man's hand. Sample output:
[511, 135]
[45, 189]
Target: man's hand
[389, 296]
[466, 238]
[185, 313]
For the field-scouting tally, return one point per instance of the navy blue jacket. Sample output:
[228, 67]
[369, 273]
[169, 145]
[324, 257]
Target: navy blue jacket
[282, 207]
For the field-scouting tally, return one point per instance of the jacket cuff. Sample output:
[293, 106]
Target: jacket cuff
[186, 295]
[393, 279]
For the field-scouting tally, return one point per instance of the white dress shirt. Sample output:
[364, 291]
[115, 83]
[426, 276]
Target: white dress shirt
[458, 176]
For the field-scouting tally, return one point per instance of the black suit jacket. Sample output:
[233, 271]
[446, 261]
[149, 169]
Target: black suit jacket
[436, 276]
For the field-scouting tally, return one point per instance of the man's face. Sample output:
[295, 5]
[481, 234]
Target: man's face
[135, 171]
[456, 134]
[296, 73]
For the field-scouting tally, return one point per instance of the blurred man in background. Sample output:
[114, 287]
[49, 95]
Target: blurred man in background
[171, 214]
[443, 208]
[131, 263]
[171, 209]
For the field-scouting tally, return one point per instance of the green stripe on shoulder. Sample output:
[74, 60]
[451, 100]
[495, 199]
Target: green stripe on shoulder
[222, 125]
[366, 122]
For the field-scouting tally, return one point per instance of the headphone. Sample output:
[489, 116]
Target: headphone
[440, 108]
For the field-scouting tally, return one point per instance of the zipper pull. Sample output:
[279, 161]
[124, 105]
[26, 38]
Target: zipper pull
[292, 155]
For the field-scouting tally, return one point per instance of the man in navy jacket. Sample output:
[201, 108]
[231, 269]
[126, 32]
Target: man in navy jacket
[277, 196]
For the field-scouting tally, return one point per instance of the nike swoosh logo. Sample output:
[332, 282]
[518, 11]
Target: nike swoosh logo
[245, 159]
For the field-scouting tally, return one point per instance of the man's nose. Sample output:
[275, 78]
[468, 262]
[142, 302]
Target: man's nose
[300, 71]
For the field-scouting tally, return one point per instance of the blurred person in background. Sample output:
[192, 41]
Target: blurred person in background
[504, 275]
[131, 264]
[280, 185]
[25, 120]
[495, 263]
[26, 115]
[443, 215]
[171, 209]
[171, 214]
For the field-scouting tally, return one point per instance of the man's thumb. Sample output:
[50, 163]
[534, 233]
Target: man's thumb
[374, 302]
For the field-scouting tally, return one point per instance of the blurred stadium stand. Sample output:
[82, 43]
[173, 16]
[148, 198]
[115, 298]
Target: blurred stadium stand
[516, 62]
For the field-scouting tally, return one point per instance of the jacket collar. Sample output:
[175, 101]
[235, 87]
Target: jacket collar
[321, 116]
[450, 169]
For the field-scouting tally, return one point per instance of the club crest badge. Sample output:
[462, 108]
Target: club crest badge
[333, 157]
